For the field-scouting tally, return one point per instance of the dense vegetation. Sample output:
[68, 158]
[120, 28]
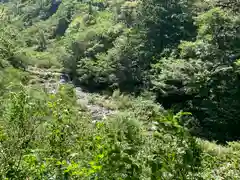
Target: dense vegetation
[174, 64]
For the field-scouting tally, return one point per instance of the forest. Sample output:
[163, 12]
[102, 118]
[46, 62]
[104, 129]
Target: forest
[119, 89]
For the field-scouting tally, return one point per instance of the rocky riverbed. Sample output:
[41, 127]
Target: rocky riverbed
[51, 81]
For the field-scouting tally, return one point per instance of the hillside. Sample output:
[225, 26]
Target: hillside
[154, 90]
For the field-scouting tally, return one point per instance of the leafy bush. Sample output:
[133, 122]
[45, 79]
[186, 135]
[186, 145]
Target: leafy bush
[49, 138]
[200, 78]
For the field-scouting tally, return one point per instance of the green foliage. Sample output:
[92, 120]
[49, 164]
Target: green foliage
[202, 78]
[219, 28]
[10, 79]
[166, 23]
[48, 138]
[10, 50]
[220, 161]
[184, 53]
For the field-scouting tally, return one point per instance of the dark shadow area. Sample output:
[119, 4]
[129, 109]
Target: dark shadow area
[61, 27]
[4, 1]
[215, 119]
[54, 6]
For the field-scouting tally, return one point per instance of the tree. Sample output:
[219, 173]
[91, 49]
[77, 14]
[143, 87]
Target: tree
[202, 80]
[165, 23]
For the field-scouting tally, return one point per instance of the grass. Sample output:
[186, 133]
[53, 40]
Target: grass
[214, 149]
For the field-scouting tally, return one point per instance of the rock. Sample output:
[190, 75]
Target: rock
[98, 112]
